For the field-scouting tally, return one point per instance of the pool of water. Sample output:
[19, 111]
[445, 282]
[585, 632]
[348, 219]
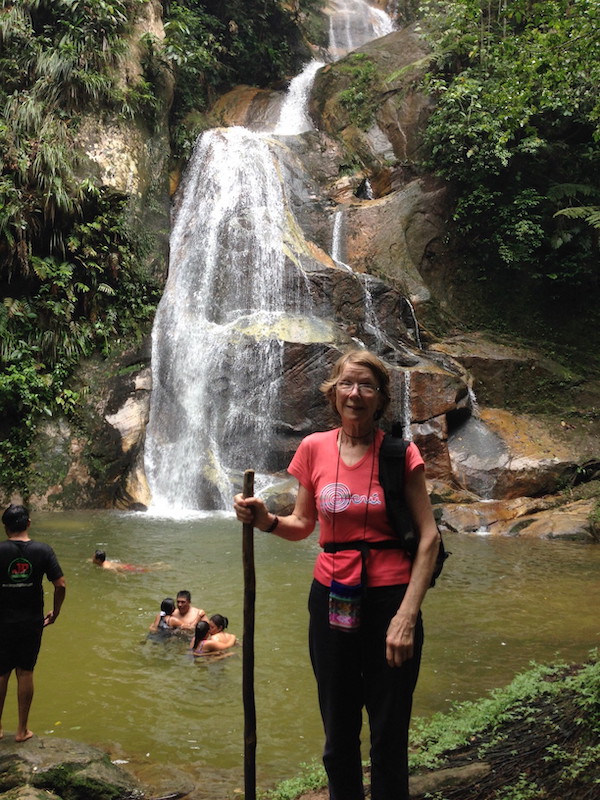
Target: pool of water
[500, 604]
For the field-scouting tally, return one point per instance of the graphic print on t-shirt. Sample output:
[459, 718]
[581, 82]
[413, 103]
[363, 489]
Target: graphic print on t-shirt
[336, 497]
[20, 570]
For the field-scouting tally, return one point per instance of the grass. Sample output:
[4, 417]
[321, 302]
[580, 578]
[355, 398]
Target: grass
[541, 734]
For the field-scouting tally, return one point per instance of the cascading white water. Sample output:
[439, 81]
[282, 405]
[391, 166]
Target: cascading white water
[226, 276]
[371, 321]
[293, 117]
[353, 23]
[336, 240]
[406, 407]
[216, 355]
[415, 322]
[475, 410]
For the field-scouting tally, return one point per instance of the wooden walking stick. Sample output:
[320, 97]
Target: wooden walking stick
[248, 649]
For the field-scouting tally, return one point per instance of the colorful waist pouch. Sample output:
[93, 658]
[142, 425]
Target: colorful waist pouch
[344, 606]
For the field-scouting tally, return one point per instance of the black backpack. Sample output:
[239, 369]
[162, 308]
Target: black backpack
[391, 478]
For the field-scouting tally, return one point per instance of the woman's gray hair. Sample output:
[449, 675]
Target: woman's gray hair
[362, 358]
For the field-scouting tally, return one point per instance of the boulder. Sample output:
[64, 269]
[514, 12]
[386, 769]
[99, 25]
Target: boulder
[392, 236]
[253, 108]
[397, 62]
[569, 522]
[45, 767]
[496, 516]
[547, 517]
[506, 375]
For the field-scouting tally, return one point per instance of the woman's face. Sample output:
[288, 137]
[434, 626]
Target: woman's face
[212, 628]
[357, 396]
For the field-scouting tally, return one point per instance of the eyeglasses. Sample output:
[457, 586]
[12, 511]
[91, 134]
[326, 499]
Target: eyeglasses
[366, 389]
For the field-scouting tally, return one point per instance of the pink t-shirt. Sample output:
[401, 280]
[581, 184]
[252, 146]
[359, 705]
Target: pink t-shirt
[351, 506]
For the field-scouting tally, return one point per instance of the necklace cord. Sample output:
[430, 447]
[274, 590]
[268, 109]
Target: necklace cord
[368, 498]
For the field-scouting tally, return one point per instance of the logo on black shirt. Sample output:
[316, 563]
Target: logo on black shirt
[20, 570]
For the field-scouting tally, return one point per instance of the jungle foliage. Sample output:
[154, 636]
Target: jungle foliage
[516, 130]
[69, 262]
[213, 46]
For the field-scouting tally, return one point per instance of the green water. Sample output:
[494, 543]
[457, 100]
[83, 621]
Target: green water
[500, 604]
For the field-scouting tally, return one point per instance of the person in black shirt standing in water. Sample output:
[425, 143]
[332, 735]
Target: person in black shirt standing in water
[23, 564]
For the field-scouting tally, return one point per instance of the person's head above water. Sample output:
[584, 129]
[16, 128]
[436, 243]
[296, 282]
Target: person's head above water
[167, 606]
[184, 601]
[200, 634]
[218, 623]
[99, 557]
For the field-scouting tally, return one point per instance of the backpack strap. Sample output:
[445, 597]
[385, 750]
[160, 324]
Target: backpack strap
[391, 477]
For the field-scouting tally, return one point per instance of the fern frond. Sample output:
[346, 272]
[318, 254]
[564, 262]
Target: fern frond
[589, 214]
[559, 191]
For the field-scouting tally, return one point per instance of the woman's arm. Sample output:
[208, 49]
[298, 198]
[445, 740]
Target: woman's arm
[297, 525]
[400, 634]
[154, 627]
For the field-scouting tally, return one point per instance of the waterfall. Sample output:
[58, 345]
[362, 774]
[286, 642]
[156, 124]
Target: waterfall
[406, 407]
[371, 321]
[293, 117]
[336, 240]
[210, 299]
[354, 23]
[415, 323]
[475, 410]
[217, 341]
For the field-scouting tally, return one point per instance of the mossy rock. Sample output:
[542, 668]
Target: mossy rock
[28, 793]
[60, 768]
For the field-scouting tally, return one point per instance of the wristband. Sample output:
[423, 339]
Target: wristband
[273, 525]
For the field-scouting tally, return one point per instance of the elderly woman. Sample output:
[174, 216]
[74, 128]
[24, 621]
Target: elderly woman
[365, 631]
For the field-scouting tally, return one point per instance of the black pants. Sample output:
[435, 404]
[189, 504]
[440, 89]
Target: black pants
[352, 672]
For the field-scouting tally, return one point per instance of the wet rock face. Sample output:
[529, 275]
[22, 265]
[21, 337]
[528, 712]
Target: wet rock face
[62, 769]
[99, 463]
[399, 112]
[504, 375]
[393, 236]
[253, 108]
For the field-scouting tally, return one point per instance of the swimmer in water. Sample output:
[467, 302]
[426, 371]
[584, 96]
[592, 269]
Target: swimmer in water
[203, 643]
[217, 624]
[201, 633]
[100, 560]
[164, 620]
